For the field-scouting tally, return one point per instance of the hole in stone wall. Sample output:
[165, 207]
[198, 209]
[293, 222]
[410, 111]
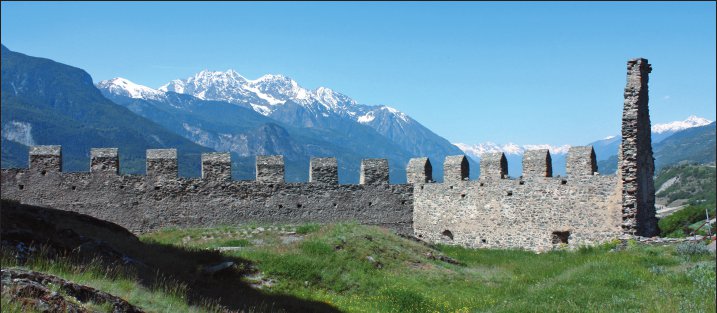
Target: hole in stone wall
[420, 236]
[21, 187]
[298, 205]
[521, 183]
[121, 187]
[481, 184]
[509, 193]
[447, 233]
[403, 202]
[370, 203]
[271, 185]
[281, 206]
[336, 205]
[463, 196]
[483, 241]
[560, 237]
[421, 187]
[156, 187]
[563, 182]
[43, 173]
[74, 187]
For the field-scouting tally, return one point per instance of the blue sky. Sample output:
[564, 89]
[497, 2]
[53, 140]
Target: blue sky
[526, 73]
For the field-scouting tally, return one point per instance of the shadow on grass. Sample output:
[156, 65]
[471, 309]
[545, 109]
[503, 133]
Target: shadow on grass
[89, 239]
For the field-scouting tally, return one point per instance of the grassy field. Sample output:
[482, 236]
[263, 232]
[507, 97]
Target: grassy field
[367, 269]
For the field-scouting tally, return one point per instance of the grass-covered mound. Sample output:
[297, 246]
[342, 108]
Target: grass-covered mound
[368, 269]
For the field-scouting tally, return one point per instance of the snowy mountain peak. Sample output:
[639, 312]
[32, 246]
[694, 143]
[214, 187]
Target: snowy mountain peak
[691, 121]
[124, 87]
[510, 148]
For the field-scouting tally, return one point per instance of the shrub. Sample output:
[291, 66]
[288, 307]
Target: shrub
[690, 249]
[682, 219]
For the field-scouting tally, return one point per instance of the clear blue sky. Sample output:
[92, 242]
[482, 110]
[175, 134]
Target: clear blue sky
[506, 72]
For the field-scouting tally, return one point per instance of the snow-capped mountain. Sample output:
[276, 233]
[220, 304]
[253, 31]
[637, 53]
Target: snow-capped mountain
[478, 150]
[284, 100]
[314, 116]
[673, 127]
[124, 87]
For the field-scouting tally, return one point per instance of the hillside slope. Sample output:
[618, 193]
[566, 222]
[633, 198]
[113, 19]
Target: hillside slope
[49, 103]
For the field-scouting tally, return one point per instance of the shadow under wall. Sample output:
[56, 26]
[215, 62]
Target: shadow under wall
[61, 232]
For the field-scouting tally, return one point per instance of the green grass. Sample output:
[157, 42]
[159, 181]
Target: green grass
[368, 269]
[167, 297]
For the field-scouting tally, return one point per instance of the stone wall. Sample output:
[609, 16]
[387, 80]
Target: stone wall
[637, 164]
[537, 212]
[161, 199]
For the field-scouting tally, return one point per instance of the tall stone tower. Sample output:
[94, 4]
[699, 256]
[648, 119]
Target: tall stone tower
[637, 164]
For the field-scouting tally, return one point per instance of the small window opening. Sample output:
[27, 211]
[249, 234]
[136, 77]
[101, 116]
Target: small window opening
[484, 241]
[43, 173]
[521, 182]
[481, 184]
[21, 187]
[560, 237]
[509, 193]
[156, 187]
[563, 182]
[370, 203]
[298, 205]
[447, 233]
[451, 187]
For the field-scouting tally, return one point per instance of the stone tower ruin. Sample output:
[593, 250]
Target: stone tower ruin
[637, 165]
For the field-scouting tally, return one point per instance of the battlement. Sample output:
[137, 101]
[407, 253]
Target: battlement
[536, 211]
[45, 159]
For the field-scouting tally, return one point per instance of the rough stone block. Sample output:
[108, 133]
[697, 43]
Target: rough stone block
[419, 171]
[324, 171]
[162, 163]
[581, 162]
[455, 168]
[270, 168]
[493, 166]
[537, 163]
[46, 158]
[374, 171]
[104, 160]
[217, 166]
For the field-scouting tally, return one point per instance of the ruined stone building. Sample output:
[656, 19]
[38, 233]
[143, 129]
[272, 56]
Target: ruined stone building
[536, 211]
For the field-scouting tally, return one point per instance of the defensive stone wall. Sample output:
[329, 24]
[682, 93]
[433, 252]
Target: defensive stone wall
[161, 199]
[537, 212]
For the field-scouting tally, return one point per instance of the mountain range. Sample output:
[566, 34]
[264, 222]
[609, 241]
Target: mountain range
[46, 102]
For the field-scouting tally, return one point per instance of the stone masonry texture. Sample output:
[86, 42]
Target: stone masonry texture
[455, 168]
[270, 168]
[493, 166]
[147, 203]
[217, 166]
[104, 160]
[537, 163]
[637, 164]
[581, 161]
[419, 170]
[374, 171]
[324, 171]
